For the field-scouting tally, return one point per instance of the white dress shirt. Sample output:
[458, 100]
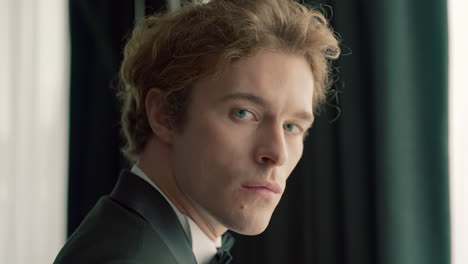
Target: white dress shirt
[203, 247]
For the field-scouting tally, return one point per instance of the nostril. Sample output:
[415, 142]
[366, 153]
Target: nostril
[265, 159]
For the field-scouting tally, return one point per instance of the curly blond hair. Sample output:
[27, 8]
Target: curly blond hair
[172, 51]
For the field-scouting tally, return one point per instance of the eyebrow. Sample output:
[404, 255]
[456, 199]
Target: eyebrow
[306, 116]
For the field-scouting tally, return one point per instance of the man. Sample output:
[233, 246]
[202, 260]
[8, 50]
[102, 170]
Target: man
[217, 99]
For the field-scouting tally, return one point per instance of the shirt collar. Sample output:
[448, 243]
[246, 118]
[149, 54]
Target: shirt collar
[203, 247]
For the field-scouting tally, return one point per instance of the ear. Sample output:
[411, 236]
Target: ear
[157, 117]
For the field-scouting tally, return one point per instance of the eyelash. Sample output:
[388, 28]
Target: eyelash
[243, 110]
[253, 114]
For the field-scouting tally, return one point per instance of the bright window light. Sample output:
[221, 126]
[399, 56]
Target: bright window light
[458, 128]
[34, 70]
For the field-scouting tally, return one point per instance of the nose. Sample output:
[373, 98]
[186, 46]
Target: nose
[271, 148]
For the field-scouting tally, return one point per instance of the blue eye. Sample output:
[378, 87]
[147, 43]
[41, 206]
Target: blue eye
[242, 113]
[290, 127]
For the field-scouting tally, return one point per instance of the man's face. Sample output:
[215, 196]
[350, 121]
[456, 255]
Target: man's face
[242, 138]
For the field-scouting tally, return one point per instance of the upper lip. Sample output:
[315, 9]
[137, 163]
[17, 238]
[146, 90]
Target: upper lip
[272, 186]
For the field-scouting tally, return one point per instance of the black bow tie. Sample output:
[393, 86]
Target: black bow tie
[223, 256]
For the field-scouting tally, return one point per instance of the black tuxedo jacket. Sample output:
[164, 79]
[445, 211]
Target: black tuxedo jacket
[134, 224]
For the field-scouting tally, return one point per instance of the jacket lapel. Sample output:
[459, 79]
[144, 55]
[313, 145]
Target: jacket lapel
[141, 197]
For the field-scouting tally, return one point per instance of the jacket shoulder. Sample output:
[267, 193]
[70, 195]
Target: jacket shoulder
[112, 233]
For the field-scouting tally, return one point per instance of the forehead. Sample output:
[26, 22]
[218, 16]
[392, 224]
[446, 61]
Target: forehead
[281, 79]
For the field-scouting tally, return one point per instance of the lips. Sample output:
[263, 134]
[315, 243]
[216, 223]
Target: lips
[264, 186]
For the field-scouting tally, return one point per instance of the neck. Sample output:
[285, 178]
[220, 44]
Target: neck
[156, 162]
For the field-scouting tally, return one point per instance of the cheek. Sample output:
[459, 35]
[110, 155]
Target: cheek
[221, 150]
[297, 151]
[209, 151]
[295, 154]
[224, 141]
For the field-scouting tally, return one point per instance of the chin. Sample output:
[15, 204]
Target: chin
[250, 231]
[250, 227]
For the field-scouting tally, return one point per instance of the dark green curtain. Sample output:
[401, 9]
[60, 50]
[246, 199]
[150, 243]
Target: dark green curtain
[410, 91]
[372, 186]
[97, 32]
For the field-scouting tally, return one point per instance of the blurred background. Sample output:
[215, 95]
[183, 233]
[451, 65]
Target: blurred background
[383, 178]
